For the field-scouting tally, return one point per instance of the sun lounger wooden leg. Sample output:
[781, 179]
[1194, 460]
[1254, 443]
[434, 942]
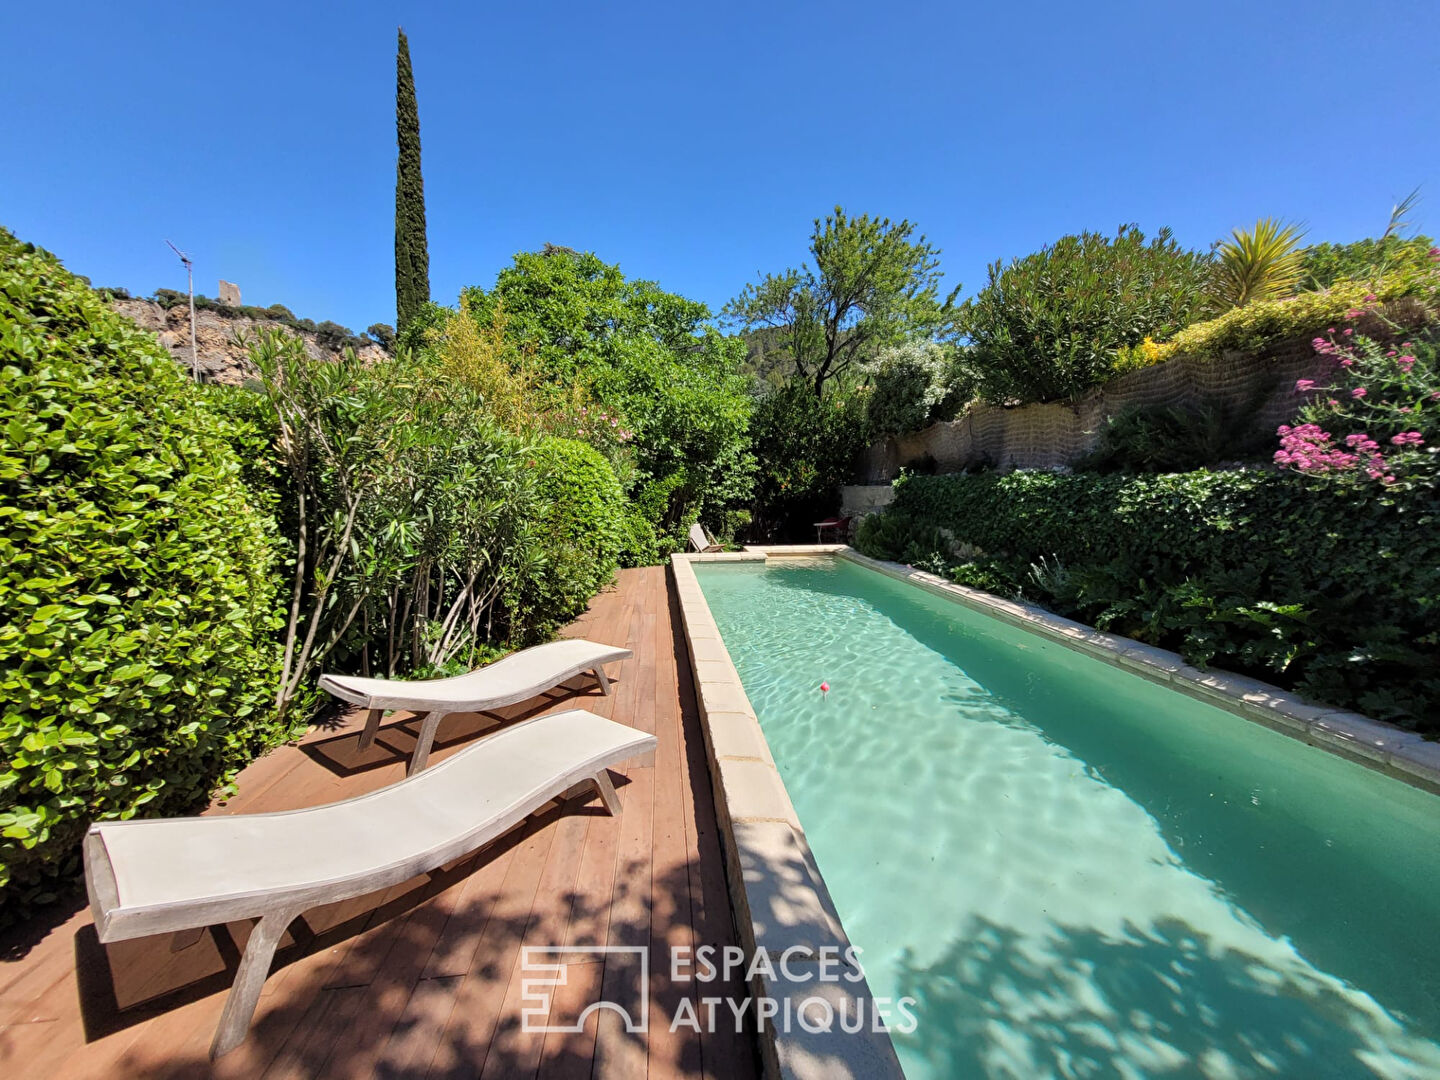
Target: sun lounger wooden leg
[372, 728]
[421, 757]
[607, 792]
[603, 680]
[245, 992]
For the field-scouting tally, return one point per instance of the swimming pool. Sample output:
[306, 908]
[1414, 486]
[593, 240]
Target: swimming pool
[1075, 871]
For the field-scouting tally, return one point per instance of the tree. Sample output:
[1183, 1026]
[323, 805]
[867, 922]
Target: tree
[383, 335]
[412, 256]
[1046, 326]
[806, 448]
[872, 285]
[1261, 263]
[648, 359]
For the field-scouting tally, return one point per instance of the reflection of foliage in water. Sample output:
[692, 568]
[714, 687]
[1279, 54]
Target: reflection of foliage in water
[1159, 1003]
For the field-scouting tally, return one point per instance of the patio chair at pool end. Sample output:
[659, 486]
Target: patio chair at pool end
[179, 875]
[513, 678]
[841, 525]
[701, 541]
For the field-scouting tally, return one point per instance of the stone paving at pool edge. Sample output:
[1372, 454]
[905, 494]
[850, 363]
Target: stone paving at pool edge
[776, 890]
[778, 894]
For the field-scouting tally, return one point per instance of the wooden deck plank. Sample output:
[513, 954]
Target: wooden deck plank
[425, 977]
[619, 1053]
[571, 1054]
[465, 1038]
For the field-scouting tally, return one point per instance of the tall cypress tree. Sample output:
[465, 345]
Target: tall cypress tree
[412, 255]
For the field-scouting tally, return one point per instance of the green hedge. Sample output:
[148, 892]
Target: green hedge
[137, 614]
[1332, 590]
[580, 533]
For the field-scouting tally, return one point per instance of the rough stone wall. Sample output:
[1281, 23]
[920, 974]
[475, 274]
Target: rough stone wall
[220, 357]
[1046, 436]
[857, 500]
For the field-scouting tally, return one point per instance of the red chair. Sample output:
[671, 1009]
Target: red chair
[839, 524]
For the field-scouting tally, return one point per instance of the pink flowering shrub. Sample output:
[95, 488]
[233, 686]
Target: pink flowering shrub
[1379, 419]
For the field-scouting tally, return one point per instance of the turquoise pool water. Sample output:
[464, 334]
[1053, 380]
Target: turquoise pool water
[1075, 872]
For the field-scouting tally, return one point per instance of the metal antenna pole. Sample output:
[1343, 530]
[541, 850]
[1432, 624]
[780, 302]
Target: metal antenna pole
[190, 280]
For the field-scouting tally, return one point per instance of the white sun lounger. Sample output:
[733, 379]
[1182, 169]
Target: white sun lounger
[700, 540]
[184, 874]
[514, 678]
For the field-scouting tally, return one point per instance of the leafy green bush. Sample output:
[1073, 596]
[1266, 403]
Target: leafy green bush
[885, 535]
[137, 651]
[1330, 589]
[580, 528]
[1148, 438]
[913, 386]
[1046, 327]
[1265, 322]
[1364, 260]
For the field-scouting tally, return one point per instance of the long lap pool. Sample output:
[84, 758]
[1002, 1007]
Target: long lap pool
[1076, 872]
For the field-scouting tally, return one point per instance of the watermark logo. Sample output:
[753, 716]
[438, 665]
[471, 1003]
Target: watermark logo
[548, 968]
[563, 985]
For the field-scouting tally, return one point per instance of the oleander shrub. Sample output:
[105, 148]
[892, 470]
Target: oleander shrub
[580, 530]
[138, 613]
[1046, 327]
[1331, 589]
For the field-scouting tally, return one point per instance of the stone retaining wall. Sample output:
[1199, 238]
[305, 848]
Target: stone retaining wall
[1256, 388]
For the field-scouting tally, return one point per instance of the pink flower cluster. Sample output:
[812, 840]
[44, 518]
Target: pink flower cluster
[600, 419]
[1407, 438]
[1326, 347]
[1311, 450]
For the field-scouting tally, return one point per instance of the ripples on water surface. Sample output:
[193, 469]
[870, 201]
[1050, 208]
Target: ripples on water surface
[1075, 872]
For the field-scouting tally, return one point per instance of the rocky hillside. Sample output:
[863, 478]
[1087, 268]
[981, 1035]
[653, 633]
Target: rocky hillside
[220, 357]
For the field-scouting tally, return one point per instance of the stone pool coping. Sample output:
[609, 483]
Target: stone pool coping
[777, 895]
[776, 891]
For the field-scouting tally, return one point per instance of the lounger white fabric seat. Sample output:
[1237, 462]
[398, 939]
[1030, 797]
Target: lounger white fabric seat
[179, 874]
[701, 541]
[519, 676]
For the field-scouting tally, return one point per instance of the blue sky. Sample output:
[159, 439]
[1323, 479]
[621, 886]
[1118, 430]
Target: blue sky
[693, 144]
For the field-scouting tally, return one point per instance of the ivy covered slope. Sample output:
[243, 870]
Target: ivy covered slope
[137, 617]
[1334, 590]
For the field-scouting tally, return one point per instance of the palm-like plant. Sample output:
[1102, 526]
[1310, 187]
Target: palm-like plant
[1260, 263]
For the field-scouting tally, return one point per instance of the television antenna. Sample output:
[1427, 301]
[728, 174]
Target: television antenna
[190, 278]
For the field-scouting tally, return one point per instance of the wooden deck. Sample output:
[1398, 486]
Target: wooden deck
[424, 979]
